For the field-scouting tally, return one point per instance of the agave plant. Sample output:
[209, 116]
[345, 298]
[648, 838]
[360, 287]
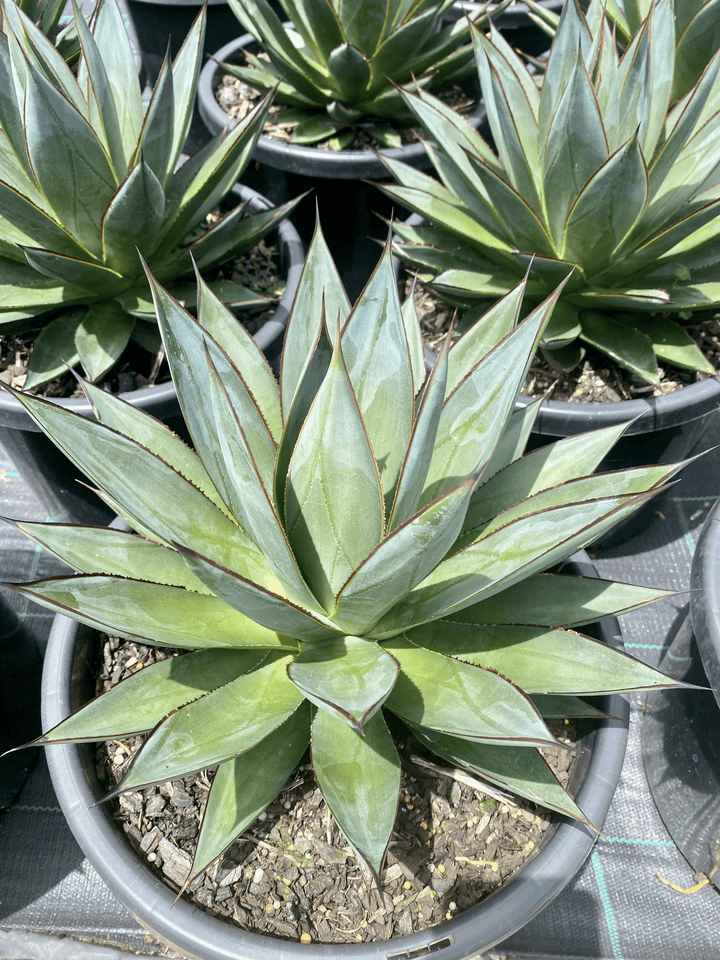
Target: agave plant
[596, 174]
[87, 178]
[364, 539]
[339, 64]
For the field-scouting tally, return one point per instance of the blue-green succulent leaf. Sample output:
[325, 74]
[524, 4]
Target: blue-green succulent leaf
[243, 786]
[350, 677]
[359, 776]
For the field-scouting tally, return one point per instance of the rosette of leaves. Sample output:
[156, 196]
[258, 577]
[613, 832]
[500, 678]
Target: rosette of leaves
[595, 173]
[338, 65]
[362, 542]
[88, 178]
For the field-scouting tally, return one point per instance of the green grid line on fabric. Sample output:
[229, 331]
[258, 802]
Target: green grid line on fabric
[607, 906]
[658, 646]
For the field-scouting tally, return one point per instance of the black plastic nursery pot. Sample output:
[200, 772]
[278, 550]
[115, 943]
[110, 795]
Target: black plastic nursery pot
[197, 935]
[55, 481]
[705, 598]
[160, 26]
[661, 429]
[350, 209]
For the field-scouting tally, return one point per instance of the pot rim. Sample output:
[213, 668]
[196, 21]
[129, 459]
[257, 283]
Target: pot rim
[199, 935]
[306, 160]
[161, 399]
[689, 403]
[705, 597]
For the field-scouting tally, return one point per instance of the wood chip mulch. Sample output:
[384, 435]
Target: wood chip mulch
[294, 876]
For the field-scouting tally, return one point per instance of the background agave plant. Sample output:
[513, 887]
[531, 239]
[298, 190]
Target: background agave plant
[596, 172]
[47, 16]
[362, 540]
[696, 31]
[339, 64]
[87, 178]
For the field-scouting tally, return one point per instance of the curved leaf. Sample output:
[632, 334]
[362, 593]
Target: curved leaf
[483, 334]
[27, 215]
[137, 704]
[418, 454]
[311, 378]
[493, 563]
[113, 552]
[59, 139]
[443, 694]
[359, 776]
[244, 786]
[630, 348]
[227, 722]
[518, 769]
[96, 281]
[114, 47]
[101, 337]
[127, 419]
[474, 415]
[236, 476]
[188, 347]
[402, 560]
[607, 209]
[349, 677]
[540, 660]
[575, 149]
[551, 599]
[133, 220]
[350, 70]
[243, 352]
[146, 488]
[513, 441]
[54, 349]
[261, 604]
[152, 612]
[311, 301]
[377, 356]
[541, 469]
[92, 76]
[671, 343]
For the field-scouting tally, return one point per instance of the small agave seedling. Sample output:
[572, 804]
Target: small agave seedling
[339, 64]
[362, 540]
[87, 178]
[596, 172]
